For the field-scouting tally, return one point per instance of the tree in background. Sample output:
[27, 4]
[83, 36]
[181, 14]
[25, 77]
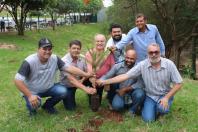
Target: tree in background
[90, 6]
[179, 19]
[19, 9]
[1, 5]
[52, 9]
[122, 12]
[68, 6]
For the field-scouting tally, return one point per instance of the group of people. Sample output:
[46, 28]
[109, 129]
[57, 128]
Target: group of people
[140, 79]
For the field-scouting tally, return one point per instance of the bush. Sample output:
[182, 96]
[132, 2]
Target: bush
[187, 71]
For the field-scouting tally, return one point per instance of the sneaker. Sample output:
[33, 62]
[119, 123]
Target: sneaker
[50, 110]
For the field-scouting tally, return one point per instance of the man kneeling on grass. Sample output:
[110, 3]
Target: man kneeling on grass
[130, 93]
[161, 78]
[35, 78]
[73, 59]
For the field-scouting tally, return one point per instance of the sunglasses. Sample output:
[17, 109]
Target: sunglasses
[47, 48]
[153, 52]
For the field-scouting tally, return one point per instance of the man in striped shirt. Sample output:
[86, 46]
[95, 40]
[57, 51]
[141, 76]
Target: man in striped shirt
[162, 81]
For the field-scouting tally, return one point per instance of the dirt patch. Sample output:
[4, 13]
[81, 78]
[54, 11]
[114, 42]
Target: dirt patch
[104, 115]
[8, 46]
[93, 125]
[111, 115]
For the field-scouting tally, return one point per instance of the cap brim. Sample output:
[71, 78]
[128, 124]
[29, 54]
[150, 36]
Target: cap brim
[46, 45]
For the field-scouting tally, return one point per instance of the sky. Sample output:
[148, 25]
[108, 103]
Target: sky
[107, 3]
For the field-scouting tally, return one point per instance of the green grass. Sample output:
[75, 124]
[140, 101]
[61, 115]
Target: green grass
[14, 116]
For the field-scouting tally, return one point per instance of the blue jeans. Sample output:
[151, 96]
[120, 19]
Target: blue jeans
[137, 95]
[152, 108]
[56, 94]
[69, 101]
[112, 92]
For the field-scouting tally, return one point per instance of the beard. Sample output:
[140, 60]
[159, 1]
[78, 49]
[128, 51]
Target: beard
[154, 60]
[117, 37]
[129, 66]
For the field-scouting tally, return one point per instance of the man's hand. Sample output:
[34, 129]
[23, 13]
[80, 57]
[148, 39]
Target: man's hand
[100, 82]
[121, 91]
[112, 48]
[90, 74]
[34, 101]
[93, 81]
[164, 103]
[124, 90]
[90, 90]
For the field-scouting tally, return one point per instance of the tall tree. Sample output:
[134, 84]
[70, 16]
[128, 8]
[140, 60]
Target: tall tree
[123, 12]
[179, 19]
[52, 9]
[1, 5]
[18, 9]
[68, 6]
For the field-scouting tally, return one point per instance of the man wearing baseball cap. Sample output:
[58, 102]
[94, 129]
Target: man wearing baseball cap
[35, 78]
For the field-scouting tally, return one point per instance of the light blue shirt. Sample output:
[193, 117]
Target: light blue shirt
[122, 68]
[141, 40]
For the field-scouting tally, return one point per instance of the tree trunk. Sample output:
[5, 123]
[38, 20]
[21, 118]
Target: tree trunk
[53, 21]
[20, 27]
[20, 31]
[178, 58]
[194, 47]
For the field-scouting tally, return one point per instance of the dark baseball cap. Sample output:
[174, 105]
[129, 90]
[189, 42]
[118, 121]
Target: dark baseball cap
[44, 42]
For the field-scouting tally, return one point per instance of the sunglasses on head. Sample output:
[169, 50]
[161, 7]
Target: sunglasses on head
[154, 52]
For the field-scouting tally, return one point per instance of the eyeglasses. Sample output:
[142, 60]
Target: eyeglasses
[153, 52]
[47, 48]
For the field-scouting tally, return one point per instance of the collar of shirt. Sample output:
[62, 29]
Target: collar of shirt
[71, 59]
[123, 65]
[138, 31]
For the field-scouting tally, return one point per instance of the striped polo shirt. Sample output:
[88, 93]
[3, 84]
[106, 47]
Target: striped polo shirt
[157, 82]
[81, 64]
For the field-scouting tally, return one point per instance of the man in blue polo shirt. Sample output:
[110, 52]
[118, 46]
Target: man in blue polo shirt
[141, 36]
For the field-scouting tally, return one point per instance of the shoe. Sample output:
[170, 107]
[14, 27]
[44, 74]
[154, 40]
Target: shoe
[50, 110]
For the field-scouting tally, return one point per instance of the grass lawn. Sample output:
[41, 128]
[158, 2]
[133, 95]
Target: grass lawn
[14, 116]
